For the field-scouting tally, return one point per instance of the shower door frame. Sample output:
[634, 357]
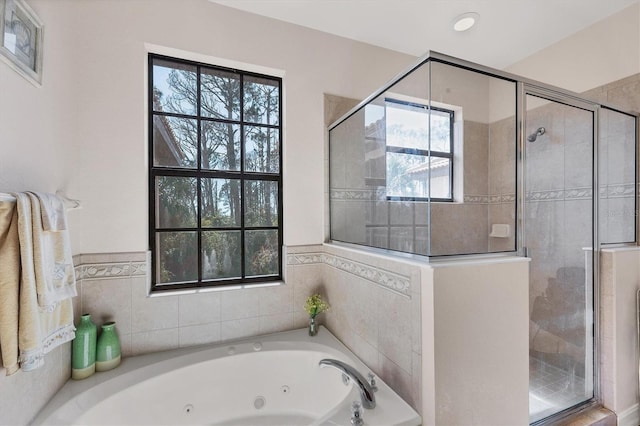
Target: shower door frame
[524, 89]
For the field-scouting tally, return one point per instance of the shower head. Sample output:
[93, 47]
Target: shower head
[539, 132]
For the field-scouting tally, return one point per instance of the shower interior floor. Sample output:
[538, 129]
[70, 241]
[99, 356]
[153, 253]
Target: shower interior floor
[552, 390]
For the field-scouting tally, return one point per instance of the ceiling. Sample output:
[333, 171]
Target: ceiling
[507, 31]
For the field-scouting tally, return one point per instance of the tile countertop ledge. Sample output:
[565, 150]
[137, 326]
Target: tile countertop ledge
[419, 260]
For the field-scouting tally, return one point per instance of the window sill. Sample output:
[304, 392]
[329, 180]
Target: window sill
[214, 289]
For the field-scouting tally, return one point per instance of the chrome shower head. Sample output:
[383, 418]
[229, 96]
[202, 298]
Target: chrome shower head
[539, 132]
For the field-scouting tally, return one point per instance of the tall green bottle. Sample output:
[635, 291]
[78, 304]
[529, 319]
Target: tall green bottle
[83, 350]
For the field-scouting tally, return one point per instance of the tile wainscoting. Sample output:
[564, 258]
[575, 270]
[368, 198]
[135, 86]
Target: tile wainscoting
[375, 307]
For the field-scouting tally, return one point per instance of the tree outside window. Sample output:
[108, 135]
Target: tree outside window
[215, 175]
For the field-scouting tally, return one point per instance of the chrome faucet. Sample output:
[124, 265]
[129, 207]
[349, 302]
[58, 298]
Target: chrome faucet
[366, 393]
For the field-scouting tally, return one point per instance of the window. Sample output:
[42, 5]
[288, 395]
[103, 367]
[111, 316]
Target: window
[415, 171]
[215, 179]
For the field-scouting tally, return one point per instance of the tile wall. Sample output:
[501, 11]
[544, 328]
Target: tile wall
[22, 394]
[114, 288]
[464, 227]
[484, 187]
[375, 310]
[559, 209]
[502, 181]
[460, 227]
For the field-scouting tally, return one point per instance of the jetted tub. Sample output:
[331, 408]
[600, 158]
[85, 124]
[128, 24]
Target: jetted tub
[266, 380]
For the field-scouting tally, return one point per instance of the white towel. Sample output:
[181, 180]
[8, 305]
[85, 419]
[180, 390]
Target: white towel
[53, 212]
[41, 328]
[53, 263]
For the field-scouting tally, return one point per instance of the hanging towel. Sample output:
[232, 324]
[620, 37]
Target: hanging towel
[53, 263]
[53, 212]
[9, 285]
[41, 328]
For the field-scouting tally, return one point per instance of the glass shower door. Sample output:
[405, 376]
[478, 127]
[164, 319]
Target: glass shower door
[558, 236]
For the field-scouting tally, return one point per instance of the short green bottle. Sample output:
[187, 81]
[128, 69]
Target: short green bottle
[108, 351]
[83, 349]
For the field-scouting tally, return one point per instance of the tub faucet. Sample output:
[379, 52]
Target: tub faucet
[366, 393]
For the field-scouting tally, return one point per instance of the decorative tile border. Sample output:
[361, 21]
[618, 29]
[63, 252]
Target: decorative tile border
[380, 195]
[358, 194]
[305, 258]
[389, 280]
[138, 268]
[545, 195]
[96, 271]
[490, 199]
[476, 199]
[508, 198]
[620, 190]
[606, 191]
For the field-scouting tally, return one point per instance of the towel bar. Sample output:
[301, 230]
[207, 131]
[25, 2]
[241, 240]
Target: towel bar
[70, 203]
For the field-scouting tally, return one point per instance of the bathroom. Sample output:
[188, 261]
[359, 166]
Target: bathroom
[90, 141]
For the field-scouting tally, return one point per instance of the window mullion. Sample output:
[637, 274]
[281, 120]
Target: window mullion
[405, 152]
[243, 272]
[199, 178]
[152, 179]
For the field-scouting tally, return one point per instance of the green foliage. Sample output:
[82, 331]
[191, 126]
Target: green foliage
[315, 305]
[261, 252]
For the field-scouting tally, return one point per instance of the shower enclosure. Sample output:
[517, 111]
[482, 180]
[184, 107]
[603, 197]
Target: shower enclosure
[452, 159]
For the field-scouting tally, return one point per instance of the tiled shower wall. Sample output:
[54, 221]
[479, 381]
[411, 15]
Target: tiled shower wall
[375, 308]
[460, 227]
[464, 227]
[559, 203]
[502, 181]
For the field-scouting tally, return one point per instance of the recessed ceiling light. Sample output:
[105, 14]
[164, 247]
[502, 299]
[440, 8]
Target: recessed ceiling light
[465, 21]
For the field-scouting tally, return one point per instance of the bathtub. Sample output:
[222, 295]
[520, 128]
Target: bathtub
[266, 380]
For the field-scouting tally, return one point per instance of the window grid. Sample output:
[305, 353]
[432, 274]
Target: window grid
[426, 152]
[200, 173]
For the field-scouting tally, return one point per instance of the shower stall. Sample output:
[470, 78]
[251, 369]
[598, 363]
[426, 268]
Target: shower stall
[452, 159]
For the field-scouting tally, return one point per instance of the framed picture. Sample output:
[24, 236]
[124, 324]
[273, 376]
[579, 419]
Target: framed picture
[21, 39]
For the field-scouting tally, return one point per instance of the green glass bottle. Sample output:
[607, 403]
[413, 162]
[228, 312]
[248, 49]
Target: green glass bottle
[108, 351]
[83, 349]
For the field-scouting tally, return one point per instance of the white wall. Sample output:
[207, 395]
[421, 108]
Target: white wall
[110, 154]
[36, 123]
[84, 131]
[604, 52]
[620, 278]
[475, 349]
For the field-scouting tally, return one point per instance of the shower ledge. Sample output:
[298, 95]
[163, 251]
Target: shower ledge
[596, 416]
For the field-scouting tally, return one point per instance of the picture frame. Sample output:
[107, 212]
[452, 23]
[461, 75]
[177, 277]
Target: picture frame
[21, 38]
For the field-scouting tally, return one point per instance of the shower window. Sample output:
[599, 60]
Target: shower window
[215, 179]
[419, 168]
[427, 166]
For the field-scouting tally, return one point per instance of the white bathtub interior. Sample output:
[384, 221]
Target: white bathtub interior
[266, 380]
